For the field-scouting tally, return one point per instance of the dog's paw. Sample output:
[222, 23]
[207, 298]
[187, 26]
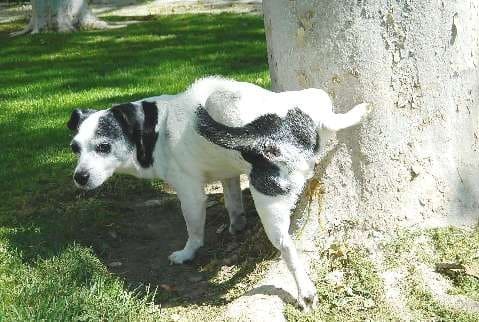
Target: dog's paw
[238, 225]
[180, 256]
[364, 110]
[307, 298]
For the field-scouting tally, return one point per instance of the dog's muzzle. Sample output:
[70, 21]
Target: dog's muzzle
[81, 177]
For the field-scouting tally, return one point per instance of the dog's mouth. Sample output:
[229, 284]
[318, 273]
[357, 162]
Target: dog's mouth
[85, 186]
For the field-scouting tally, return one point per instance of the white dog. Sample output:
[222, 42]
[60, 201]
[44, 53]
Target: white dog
[216, 130]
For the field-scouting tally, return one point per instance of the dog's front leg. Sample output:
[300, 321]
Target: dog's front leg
[193, 205]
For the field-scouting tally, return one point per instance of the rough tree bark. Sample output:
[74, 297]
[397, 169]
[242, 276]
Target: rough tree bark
[417, 160]
[61, 15]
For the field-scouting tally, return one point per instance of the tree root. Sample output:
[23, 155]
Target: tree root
[438, 286]
[87, 21]
[27, 30]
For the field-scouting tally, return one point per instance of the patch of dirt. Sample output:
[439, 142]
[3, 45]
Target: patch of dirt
[137, 245]
[13, 12]
[161, 7]
[393, 281]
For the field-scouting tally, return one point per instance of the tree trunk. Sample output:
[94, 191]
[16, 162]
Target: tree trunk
[416, 161]
[61, 15]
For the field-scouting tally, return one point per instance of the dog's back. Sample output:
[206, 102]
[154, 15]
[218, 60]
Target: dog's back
[234, 103]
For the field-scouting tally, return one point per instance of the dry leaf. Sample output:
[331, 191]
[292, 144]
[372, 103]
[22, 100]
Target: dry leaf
[115, 264]
[337, 251]
[456, 268]
[168, 288]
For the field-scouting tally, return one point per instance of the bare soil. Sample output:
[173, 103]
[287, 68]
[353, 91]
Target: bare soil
[13, 12]
[137, 245]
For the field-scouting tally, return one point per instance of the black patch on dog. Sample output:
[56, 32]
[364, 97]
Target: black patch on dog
[109, 127]
[77, 117]
[260, 143]
[137, 124]
[264, 174]
[148, 137]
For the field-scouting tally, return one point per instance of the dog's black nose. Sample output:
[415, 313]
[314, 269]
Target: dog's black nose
[81, 177]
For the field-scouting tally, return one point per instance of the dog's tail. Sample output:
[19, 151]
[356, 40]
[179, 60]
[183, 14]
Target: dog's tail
[335, 122]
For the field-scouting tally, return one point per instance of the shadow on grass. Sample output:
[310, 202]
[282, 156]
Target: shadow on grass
[222, 44]
[43, 77]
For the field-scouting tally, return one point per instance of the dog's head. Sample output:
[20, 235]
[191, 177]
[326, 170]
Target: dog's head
[120, 138]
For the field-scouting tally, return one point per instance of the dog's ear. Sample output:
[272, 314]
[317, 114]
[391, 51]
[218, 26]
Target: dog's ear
[138, 124]
[146, 143]
[77, 117]
[128, 118]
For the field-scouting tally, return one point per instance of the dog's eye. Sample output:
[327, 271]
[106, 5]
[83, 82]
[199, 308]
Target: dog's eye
[75, 147]
[104, 148]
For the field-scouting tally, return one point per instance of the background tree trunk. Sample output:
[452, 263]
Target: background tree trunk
[61, 15]
[416, 161]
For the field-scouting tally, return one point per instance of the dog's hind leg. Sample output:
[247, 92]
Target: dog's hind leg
[234, 204]
[193, 205]
[274, 212]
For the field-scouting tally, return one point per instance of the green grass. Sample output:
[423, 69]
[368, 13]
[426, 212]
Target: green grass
[441, 245]
[71, 286]
[421, 301]
[358, 297]
[47, 268]
[459, 246]
[433, 246]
